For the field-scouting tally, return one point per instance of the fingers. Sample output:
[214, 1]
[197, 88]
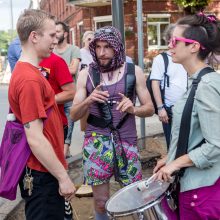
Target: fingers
[156, 168]
[98, 95]
[163, 116]
[70, 197]
[125, 105]
[98, 87]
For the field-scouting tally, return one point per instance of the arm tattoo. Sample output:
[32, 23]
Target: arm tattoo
[27, 125]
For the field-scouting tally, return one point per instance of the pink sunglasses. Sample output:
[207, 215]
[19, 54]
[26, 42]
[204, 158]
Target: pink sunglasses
[174, 40]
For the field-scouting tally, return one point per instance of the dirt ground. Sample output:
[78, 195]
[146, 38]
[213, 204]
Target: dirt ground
[83, 207]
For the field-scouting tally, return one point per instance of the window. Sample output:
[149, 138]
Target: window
[156, 24]
[102, 21]
[81, 32]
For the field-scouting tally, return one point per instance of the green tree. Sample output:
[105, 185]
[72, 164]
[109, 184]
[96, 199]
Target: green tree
[5, 39]
[192, 6]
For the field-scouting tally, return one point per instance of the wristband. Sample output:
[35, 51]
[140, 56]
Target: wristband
[160, 107]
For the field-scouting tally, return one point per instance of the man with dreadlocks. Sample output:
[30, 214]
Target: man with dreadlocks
[106, 90]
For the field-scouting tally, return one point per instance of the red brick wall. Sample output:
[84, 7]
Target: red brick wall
[72, 15]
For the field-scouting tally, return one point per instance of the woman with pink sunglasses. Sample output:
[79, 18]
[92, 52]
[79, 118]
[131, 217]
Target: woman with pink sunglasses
[195, 38]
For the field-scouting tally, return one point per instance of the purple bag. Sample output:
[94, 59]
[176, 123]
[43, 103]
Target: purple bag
[14, 153]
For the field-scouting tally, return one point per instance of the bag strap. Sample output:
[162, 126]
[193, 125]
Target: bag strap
[183, 139]
[166, 77]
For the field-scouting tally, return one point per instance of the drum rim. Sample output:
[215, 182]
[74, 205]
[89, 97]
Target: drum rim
[139, 209]
[132, 211]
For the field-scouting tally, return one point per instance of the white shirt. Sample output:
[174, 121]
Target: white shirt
[177, 76]
[86, 57]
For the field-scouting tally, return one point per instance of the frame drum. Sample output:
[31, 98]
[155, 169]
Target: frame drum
[138, 197]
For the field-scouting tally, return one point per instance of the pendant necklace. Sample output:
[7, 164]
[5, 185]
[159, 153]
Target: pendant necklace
[111, 101]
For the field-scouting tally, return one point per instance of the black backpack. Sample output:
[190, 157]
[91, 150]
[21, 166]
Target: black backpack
[166, 80]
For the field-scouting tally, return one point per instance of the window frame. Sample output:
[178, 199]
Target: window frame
[158, 27]
[100, 19]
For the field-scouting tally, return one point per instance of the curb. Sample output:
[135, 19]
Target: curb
[9, 206]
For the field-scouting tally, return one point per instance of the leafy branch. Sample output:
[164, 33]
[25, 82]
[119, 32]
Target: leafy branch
[192, 6]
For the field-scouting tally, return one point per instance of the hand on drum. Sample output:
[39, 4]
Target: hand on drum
[164, 172]
[160, 163]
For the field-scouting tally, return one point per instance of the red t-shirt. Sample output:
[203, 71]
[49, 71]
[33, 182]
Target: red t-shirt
[59, 75]
[30, 96]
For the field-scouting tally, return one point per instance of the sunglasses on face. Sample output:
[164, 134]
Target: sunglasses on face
[173, 41]
[105, 31]
[89, 39]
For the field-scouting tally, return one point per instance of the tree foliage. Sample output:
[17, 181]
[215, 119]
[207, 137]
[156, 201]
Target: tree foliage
[192, 6]
[5, 39]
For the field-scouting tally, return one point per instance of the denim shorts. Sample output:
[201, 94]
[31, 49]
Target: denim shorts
[98, 161]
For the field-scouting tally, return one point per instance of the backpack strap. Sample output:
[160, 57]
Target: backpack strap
[183, 139]
[95, 77]
[130, 81]
[105, 110]
[166, 77]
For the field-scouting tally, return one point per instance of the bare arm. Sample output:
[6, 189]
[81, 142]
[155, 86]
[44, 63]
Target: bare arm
[165, 172]
[43, 151]
[74, 65]
[157, 96]
[81, 102]
[67, 94]
[146, 108]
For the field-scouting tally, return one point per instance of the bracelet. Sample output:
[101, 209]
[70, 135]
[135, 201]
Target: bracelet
[160, 107]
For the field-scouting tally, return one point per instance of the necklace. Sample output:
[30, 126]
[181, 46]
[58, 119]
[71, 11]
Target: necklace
[110, 100]
[110, 74]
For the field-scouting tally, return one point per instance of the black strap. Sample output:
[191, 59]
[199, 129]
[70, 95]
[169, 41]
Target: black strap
[105, 110]
[130, 81]
[166, 77]
[183, 139]
[95, 77]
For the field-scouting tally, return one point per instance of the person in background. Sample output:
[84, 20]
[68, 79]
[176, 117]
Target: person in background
[175, 86]
[57, 73]
[86, 57]
[194, 38]
[14, 52]
[71, 54]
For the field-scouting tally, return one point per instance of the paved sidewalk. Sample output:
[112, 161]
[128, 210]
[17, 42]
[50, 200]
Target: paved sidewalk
[152, 125]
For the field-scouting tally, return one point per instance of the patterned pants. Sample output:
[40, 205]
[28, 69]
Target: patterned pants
[98, 161]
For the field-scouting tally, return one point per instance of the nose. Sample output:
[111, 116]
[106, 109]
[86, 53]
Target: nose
[102, 51]
[170, 45]
[55, 40]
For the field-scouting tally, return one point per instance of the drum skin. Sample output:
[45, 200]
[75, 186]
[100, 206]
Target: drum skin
[131, 199]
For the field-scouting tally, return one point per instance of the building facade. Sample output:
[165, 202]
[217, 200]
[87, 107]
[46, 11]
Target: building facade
[92, 14]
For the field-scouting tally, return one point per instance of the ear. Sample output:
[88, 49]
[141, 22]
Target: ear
[65, 34]
[33, 37]
[195, 47]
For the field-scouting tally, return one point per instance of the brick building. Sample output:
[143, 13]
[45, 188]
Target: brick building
[92, 14]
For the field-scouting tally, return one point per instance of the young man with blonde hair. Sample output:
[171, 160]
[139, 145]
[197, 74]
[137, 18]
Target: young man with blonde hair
[32, 101]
